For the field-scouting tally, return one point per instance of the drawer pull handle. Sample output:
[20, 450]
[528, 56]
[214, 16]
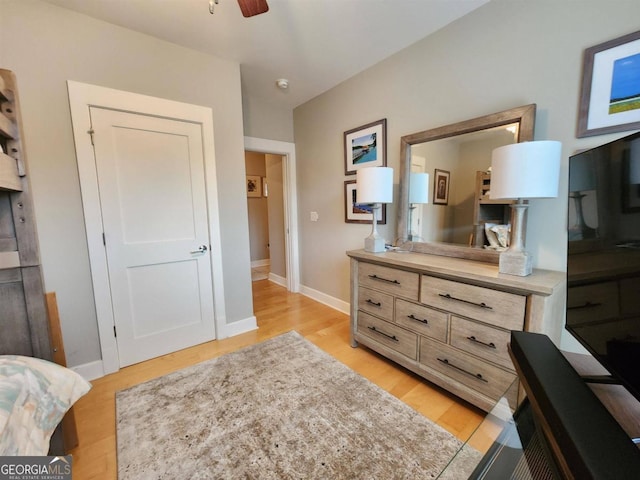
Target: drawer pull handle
[422, 320]
[390, 337]
[481, 304]
[477, 376]
[375, 304]
[475, 340]
[586, 305]
[382, 279]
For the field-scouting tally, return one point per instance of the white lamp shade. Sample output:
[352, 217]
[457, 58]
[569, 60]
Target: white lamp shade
[419, 187]
[374, 185]
[526, 170]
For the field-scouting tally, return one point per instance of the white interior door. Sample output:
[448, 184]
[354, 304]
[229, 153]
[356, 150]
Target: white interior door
[151, 182]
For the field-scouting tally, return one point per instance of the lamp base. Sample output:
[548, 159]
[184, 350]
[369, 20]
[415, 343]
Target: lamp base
[374, 244]
[518, 263]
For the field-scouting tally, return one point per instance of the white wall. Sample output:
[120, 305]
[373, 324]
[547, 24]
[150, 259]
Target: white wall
[505, 54]
[45, 46]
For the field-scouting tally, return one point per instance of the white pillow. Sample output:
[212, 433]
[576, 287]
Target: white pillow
[34, 396]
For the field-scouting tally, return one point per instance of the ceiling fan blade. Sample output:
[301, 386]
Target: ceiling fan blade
[253, 7]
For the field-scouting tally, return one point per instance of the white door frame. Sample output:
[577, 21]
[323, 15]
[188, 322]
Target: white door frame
[288, 151]
[81, 97]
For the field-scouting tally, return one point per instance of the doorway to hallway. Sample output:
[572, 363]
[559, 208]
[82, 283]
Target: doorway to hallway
[266, 216]
[279, 225]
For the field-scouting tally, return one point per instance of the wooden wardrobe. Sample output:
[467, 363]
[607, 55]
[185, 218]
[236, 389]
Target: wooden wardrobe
[24, 327]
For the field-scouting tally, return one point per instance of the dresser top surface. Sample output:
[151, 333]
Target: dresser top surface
[541, 282]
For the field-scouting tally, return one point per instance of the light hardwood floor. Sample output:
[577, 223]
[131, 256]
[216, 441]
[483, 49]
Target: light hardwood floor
[277, 311]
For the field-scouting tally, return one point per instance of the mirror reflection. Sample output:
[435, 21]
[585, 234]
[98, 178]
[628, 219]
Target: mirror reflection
[459, 201]
[455, 216]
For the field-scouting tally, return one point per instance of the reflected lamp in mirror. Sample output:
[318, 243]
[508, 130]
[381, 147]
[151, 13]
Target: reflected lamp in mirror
[582, 180]
[418, 195]
[522, 171]
[374, 186]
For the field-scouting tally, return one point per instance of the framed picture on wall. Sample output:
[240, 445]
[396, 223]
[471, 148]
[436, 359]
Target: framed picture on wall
[610, 98]
[254, 186]
[365, 146]
[441, 187]
[355, 212]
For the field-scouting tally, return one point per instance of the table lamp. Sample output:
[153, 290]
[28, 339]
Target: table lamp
[521, 171]
[418, 194]
[374, 186]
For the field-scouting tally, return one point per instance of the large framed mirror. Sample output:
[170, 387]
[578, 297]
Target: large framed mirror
[456, 158]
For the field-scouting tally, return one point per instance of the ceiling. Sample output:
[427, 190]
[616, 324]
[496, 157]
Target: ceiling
[315, 44]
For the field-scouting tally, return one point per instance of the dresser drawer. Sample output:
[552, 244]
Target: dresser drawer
[421, 319]
[481, 340]
[390, 280]
[502, 309]
[588, 303]
[487, 379]
[377, 303]
[387, 334]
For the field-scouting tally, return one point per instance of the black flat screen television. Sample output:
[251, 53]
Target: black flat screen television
[603, 263]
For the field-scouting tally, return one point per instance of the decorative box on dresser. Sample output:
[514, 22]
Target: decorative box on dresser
[449, 319]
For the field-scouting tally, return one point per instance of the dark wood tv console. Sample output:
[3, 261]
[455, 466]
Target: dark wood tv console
[566, 427]
[623, 406]
[583, 437]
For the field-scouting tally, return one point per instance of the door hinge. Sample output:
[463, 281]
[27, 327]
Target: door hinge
[114, 331]
[91, 131]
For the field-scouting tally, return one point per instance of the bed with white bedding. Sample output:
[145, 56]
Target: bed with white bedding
[34, 396]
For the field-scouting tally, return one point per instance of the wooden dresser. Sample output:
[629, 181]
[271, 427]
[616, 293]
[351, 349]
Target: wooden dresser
[448, 319]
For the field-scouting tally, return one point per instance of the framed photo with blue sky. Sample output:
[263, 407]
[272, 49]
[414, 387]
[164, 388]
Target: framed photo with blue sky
[610, 98]
[365, 146]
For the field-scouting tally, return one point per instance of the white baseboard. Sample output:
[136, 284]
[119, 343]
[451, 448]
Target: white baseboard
[261, 263]
[282, 281]
[238, 327]
[328, 300]
[90, 371]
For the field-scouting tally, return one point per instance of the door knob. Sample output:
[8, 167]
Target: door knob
[201, 249]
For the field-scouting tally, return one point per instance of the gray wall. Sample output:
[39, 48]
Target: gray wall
[46, 46]
[266, 120]
[505, 54]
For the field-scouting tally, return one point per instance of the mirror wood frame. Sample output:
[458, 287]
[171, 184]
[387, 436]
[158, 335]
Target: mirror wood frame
[524, 116]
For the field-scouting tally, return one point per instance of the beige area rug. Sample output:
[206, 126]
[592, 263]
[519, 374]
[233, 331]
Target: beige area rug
[281, 409]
